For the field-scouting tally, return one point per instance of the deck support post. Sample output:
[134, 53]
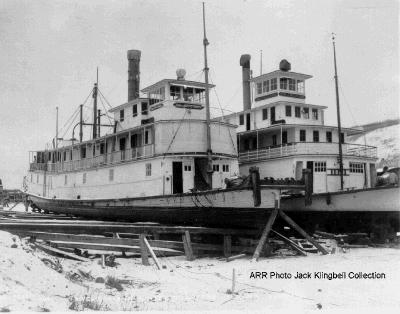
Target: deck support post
[187, 245]
[302, 232]
[265, 233]
[153, 255]
[143, 250]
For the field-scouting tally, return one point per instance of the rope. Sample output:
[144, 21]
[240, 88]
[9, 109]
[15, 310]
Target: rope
[176, 132]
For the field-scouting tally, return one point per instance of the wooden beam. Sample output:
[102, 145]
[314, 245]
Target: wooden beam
[232, 258]
[302, 232]
[143, 251]
[265, 233]
[227, 245]
[291, 243]
[187, 246]
[152, 253]
[54, 250]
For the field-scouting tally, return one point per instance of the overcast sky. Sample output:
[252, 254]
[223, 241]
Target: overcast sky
[50, 51]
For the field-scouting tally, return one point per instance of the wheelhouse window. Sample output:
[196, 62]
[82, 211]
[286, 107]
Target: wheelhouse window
[356, 167]
[156, 96]
[121, 115]
[292, 84]
[300, 86]
[288, 110]
[259, 88]
[297, 112]
[315, 136]
[329, 136]
[274, 84]
[134, 110]
[315, 114]
[175, 92]
[320, 166]
[283, 83]
[265, 113]
[302, 135]
[188, 94]
[266, 86]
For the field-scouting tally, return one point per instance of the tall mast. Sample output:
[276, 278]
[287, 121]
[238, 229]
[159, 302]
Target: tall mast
[338, 115]
[95, 105]
[209, 151]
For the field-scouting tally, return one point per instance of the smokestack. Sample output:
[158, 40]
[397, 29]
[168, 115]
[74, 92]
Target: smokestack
[245, 64]
[133, 74]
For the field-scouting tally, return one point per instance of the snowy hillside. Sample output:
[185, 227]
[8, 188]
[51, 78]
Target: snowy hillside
[387, 140]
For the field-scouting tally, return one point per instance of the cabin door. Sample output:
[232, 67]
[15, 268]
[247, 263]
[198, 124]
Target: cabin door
[310, 165]
[248, 122]
[177, 177]
[272, 115]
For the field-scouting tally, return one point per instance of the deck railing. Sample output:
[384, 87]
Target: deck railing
[112, 158]
[307, 148]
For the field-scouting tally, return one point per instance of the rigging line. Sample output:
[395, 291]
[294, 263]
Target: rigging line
[70, 124]
[72, 115]
[216, 94]
[347, 105]
[176, 132]
[104, 98]
[105, 110]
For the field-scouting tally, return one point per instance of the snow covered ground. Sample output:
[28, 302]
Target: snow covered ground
[387, 140]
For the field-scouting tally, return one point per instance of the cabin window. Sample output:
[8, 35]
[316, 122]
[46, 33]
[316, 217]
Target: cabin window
[284, 137]
[122, 142]
[292, 84]
[315, 114]
[297, 112]
[225, 168]
[306, 113]
[274, 84]
[121, 115]
[83, 152]
[175, 92]
[265, 113]
[216, 168]
[241, 119]
[70, 154]
[84, 178]
[65, 155]
[356, 167]
[288, 110]
[144, 107]
[148, 170]
[65, 180]
[111, 175]
[302, 135]
[315, 136]
[102, 145]
[320, 166]
[187, 167]
[342, 137]
[146, 137]
[329, 136]
[283, 83]
[300, 86]
[274, 141]
[134, 110]
[266, 86]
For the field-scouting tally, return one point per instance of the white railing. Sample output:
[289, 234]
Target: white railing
[307, 148]
[93, 162]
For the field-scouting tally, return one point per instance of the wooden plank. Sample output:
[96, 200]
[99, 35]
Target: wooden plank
[155, 259]
[265, 233]
[51, 249]
[232, 258]
[302, 232]
[143, 251]
[291, 243]
[187, 246]
[227, 245]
